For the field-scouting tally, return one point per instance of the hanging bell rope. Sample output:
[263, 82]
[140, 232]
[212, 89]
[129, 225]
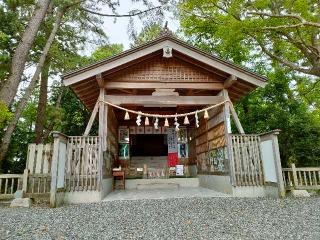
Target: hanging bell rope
[164, 116]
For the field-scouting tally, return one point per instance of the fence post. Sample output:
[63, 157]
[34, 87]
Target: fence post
[273, 136]
[294, 175]
[58, 137]
[25, 181]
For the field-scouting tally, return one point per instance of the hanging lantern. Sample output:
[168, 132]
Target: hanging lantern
[206, 115]
[186, 120]
[176, 124]
[166, 123]
[138, 120]
[146, 121]
[197, 119]
[156, 126]
[126, 116]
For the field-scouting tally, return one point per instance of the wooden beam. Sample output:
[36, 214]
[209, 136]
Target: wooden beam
[234, 113]
[159, 85]
[100, 80]
[92, 117]
[236, 119]
[230, 81]
[163, 100]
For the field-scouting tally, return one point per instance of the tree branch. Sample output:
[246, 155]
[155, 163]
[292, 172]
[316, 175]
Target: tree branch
[283, 61]
[302, 21]
[120, 15]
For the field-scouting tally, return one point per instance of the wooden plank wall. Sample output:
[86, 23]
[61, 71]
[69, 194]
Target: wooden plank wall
[112, 143]
[210, 143]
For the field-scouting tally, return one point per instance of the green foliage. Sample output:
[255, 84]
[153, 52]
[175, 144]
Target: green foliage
[148, 33]
[106, 51]
[5, 115]
[290, 101]
[277, 107]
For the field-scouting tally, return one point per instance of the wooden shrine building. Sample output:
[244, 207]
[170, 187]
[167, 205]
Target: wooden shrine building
[164, 77]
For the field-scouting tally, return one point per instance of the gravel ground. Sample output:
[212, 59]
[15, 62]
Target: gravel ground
[195, 218]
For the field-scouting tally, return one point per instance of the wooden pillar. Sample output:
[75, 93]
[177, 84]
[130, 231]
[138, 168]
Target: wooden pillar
[102, 137]
[25, 180]
[294, 175]
[227, 131]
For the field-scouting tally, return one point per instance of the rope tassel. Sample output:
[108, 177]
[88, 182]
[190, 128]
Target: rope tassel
[166, 123]
[186, 120]
[146, 121]
[126, 116]
[206, 115]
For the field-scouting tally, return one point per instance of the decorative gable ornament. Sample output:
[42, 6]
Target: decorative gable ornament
[167, 52]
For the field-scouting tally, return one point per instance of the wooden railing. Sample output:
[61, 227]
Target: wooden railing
[9, 184]
[82, 163]
[301, 178]
[247, 160]
[38, 184]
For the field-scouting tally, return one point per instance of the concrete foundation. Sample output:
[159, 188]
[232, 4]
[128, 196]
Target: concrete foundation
[216, 182]
[181, 182]
[255, 191]
[106, 186]
[82, 197]
[222, 184]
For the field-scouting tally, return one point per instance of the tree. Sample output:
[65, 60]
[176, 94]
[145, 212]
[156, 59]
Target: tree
[277, 106]
[148, 33]
[81, 8]
[271, 45]
[23, 101]
[283, 30]
[10, 86]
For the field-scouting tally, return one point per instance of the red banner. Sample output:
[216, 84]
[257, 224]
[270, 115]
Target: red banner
[173, 159]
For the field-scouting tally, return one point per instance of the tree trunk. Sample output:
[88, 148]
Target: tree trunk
[51, 126]
[10, 86]
[42, 104]
[23, 102]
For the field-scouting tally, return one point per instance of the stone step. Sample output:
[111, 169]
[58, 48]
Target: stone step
[157, 186]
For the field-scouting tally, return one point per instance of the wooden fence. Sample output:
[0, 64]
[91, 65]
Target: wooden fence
[301, 178]
[247, 160]
[9, 184]
[37, 171]
[82, 164]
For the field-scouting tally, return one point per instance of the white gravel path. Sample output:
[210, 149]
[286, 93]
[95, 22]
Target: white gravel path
[193, 218]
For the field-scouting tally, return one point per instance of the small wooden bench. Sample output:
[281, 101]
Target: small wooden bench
[121, 175]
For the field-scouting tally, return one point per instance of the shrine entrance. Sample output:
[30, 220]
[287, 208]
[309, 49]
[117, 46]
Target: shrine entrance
[155, 151]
